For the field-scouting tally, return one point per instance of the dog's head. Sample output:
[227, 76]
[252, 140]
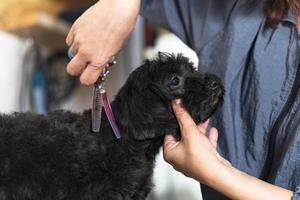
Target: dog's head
[147, 95]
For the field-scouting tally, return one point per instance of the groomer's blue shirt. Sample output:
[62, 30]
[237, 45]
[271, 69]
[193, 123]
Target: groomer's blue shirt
[259, 122]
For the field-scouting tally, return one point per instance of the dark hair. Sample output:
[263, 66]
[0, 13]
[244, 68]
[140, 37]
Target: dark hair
[275, 10]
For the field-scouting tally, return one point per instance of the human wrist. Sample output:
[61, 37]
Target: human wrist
[209, 173]
[217, 174]
[226, 179]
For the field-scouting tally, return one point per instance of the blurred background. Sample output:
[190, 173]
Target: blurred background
[33, 57]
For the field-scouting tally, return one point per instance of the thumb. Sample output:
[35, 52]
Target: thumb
[185, 121]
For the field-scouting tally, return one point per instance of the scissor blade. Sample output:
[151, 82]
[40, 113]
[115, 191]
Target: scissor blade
[96, 110]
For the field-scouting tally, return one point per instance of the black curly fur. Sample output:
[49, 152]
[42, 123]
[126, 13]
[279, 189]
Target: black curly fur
[58, 157]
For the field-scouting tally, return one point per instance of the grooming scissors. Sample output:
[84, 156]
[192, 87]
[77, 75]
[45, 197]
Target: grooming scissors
[101, 100]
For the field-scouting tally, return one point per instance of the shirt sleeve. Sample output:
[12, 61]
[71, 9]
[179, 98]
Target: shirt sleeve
[166, 14]
[296, 195]
[193, 21]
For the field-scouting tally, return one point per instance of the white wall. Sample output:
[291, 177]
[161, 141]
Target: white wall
[15, 68]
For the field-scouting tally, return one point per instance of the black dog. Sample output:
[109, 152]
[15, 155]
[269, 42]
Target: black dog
[58, 157]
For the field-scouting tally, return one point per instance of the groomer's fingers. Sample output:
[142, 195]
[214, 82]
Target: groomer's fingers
[90, 74]
[203, 126]
[76, 65]
[70, 37]
[213, 137]
[186, 123]
[170, 142]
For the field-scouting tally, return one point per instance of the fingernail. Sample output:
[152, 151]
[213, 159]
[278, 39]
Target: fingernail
[177, 101]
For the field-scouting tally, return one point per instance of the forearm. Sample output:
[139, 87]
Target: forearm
[241, 186]
[130, 7]
[195, 155]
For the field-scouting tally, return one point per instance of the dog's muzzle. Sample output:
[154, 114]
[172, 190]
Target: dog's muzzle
[203, 93]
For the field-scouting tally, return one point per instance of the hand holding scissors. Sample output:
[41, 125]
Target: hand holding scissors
[98, 34]
[100, 99]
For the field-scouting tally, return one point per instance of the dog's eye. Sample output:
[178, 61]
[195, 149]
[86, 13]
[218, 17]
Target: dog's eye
[174, 82]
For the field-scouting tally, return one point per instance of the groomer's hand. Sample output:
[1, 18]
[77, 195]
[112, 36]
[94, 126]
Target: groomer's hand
[195, 155]
[98, 35]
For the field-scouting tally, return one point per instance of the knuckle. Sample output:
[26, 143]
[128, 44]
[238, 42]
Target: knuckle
[83, 51]
[86, 52]
[99, 59]
[78, 43]
[78, 37]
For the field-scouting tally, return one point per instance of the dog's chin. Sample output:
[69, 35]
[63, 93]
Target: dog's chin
[202, 109]
[203, 93]
[200, 116]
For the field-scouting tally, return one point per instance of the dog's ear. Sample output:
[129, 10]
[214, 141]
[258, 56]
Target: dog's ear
[149, 114]
[151, 121]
